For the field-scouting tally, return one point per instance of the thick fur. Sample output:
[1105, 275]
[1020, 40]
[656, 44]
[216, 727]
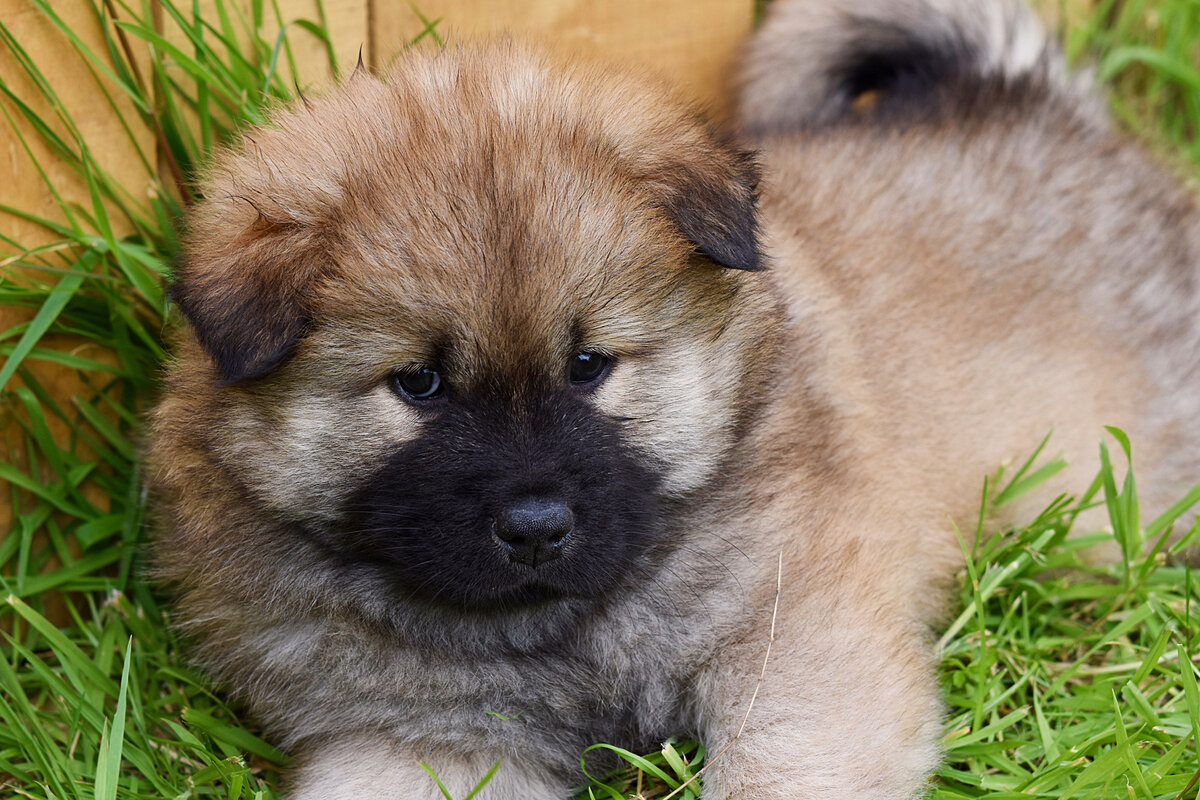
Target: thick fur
[956, 266]
[809, 64]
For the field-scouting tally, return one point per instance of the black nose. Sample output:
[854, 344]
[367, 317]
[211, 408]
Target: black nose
[533, 531]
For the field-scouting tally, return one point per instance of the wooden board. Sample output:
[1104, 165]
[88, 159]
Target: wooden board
[691, 42]
[66, 72]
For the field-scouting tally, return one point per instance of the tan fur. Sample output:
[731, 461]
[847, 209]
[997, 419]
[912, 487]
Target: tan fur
[942, 293]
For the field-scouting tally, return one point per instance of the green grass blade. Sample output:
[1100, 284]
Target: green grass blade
[108, 767]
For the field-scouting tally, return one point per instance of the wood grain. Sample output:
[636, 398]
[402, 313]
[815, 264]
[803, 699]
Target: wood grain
[690, 42]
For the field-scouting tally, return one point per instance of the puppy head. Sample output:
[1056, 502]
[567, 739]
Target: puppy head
[475, 325]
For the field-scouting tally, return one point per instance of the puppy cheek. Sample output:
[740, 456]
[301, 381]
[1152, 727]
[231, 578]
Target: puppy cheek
[675, 410]
[327, 447]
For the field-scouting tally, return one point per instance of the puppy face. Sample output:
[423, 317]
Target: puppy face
[475, 334]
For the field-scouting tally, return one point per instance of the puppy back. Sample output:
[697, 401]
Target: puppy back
[816, 63]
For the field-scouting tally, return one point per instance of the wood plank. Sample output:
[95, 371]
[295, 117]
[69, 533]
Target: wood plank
[66, 72]
[690, 42]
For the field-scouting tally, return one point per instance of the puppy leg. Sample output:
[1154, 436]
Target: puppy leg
[368, 766]
[848, 706]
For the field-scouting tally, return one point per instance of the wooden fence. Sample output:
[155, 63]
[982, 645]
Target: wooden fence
[689, 41]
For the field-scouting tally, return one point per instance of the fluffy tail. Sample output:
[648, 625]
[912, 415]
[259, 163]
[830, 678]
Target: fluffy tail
[814, 62]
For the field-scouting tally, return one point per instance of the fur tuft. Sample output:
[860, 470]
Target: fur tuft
[814, 62]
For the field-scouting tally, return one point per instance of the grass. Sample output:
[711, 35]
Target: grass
[1082, 686]
[1146, 50]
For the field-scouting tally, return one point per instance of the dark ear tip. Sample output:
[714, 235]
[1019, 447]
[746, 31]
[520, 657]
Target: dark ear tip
[735, 250]
[236, 365]
[751, 261]
[244, 339]
[234, 373]
[715, 206]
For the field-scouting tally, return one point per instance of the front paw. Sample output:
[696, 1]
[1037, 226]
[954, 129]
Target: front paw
[370, 767]
[794, 770]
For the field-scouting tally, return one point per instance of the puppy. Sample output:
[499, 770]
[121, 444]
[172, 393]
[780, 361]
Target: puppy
[507, 388]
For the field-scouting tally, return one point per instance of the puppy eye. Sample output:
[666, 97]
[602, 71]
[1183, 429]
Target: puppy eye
[588, 367]
[418, 383]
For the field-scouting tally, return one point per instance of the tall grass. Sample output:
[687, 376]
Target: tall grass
[1058, 687]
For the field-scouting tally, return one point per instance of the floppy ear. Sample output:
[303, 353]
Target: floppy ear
[712, 198]
[244, 286]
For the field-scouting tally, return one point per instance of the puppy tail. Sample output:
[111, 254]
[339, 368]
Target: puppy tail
[818, 62]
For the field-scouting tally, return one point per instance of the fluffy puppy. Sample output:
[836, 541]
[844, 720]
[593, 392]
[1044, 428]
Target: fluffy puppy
[503, 391]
